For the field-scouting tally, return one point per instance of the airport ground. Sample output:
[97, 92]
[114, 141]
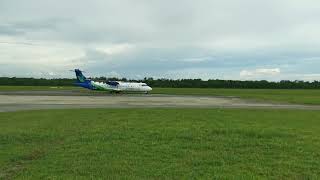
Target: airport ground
[234, 139]
[292, 96]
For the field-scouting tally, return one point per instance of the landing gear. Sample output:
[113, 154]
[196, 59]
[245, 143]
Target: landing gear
[115, 92]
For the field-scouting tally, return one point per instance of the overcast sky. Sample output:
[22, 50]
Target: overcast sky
[208, 39]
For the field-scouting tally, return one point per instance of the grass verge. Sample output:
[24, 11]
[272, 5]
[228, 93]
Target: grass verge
[160, 143]
[311, 97]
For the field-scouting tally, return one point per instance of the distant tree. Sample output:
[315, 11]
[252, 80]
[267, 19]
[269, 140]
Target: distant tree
[179, 83]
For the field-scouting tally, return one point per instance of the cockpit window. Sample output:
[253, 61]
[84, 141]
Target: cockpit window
[144, 85]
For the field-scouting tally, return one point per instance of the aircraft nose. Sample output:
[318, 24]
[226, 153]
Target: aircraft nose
[150, 89]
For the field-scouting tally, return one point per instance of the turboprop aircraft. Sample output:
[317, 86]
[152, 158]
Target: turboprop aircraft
[111, 86]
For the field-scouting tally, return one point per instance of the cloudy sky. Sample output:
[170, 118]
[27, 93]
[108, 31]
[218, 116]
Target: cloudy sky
[208, 39]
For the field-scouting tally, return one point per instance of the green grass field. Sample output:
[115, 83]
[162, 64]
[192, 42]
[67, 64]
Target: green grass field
[310, 97]
[160, 144]
[294, 96]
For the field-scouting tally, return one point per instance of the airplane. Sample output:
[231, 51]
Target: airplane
[111, 86]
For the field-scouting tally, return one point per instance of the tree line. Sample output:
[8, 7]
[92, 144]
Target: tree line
[169, 83]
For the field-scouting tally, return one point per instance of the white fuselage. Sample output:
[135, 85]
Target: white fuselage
[121, 86]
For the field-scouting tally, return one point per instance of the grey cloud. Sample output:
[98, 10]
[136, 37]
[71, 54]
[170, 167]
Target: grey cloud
[9, 30]
[170, 36]
[165, 62]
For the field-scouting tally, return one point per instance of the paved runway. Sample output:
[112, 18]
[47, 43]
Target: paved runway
[29, 100]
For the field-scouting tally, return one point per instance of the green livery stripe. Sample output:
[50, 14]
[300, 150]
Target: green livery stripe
[97, 87]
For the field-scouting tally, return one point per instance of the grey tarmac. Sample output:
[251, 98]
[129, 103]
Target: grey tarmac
[33, 100]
